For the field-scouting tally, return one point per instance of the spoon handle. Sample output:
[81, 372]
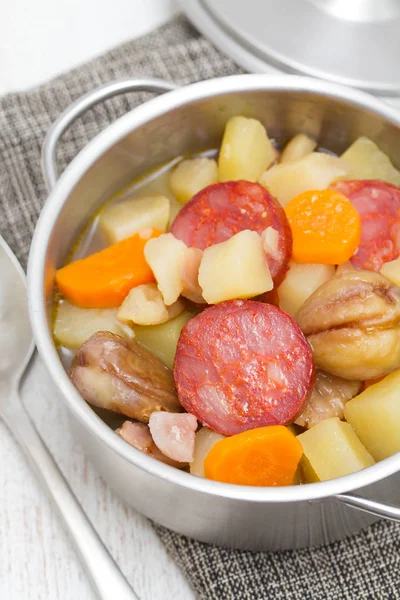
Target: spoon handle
[106, 577]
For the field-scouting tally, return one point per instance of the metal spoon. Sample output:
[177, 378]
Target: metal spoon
[16, 349]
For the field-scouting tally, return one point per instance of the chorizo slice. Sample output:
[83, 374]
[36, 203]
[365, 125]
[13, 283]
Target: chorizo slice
[243, 364]
[221, 210]
[378, 204]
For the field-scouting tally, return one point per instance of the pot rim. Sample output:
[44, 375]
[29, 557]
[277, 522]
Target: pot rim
[36, 282]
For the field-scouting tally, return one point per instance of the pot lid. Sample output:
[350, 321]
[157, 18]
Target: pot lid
[352, 42]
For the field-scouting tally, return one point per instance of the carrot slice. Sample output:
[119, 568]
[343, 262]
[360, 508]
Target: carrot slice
[368, 382]
[325, 225]
[266, 456]
[104, 279]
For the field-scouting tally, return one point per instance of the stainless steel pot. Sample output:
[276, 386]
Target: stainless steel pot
[182, 121]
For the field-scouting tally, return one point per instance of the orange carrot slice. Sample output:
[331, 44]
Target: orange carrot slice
[104, 279]
[325, 225]
[266, 456]
[368, 382]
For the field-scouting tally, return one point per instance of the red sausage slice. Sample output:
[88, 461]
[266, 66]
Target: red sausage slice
[221, 210]
[242, 364]
[378, 204]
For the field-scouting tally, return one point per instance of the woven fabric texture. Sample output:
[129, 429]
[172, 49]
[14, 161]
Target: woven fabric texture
[366, 566]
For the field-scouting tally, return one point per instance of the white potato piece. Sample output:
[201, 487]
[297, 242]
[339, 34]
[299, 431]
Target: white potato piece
[300, 282]
[122, 219]
[165, 255]
[300, 145]
[162, 339]
[367, 161]
[205, 440]
[316, 171]
[74, 325]
[236, 268]
[246, 150]
[332, 449]
[375, 416]
[144, 305]
[191, 176]
[270, 242]
[391, 270]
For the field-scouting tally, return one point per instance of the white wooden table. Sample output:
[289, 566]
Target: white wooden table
[37, 561]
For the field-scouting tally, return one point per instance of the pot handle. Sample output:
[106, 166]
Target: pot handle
[80, 106]
[372, 507]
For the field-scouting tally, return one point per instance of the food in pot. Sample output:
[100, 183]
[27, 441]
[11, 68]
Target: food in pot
[328, 399]
[263, 456]
[315, 171]
[112, 373]
[123, 219]
[174, 434]
[367, 161]
[205, 439]
[325, 226]
[352, 323]
[191, 176]
[300, 145]
[74, 325]
[220, 211]
[378, 205]
[300, 282]
[138, 435]
[243, 364]
[144, 305]
[332, 449]
[246, 150]
[211, 291]
[243, 254]
[374, 416]
[103, 280]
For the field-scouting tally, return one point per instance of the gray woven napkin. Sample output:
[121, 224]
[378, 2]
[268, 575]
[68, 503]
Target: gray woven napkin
[366, 566]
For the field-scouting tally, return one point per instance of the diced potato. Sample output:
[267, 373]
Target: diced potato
[391, 270]
[332, 449]
[74, 325]
[144, 305]
[236, 268]
[246, 150]
[367, 161]
[191, 176]
[270, 242]
[205, 439]
[300, 282]
[300, 145]
[375, 416]
[165, 255]
[316, 171]
[161, 340]
[122, 219]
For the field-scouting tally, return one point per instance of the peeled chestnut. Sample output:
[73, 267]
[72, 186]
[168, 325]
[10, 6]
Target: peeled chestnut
[112, 373]
[352, 323]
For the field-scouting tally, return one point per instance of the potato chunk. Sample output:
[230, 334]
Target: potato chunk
[236, 268]
[191, 176]
[246, 150]
[367, 161]
[316, 171]
[332, 449]
[300, 145]
[375, 416]
[165, 257]
[144, 306]
[300, 282]
[74, 325]
[162, 339]
[205, 439]
[391, 270]
[122, 219]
